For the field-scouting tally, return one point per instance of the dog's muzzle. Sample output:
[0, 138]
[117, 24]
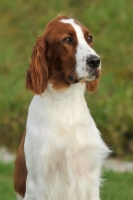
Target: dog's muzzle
[93, 64]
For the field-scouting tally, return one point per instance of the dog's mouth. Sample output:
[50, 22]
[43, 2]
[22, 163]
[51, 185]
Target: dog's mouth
[92, 74]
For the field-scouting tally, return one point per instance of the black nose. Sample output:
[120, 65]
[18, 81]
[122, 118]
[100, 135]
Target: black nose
[93, 61]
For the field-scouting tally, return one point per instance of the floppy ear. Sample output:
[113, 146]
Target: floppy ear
[92, 86]
[37, 73]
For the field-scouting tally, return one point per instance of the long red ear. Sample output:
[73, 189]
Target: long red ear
[92, 86]
[37, 73]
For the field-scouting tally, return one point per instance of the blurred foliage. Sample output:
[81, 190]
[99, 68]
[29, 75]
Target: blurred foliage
[110, 23]
[117, 186]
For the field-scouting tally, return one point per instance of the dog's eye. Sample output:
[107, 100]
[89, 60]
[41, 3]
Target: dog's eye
[68, 40]
[89, 39]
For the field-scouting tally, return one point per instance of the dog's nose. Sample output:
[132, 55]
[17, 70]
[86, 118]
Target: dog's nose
[93, 61]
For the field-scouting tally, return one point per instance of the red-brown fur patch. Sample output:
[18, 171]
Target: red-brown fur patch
[37, 74]
[52, 59]
[20, 171]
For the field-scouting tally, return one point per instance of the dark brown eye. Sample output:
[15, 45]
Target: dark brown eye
[89, 39]
[68, 40]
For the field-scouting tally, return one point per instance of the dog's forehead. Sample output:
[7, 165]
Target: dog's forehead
[77, 26]
[63, 25]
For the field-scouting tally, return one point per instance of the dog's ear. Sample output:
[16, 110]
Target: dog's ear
[92, 86]
[37, 73]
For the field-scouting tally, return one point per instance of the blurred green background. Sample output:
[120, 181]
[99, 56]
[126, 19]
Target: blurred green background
[111, 23]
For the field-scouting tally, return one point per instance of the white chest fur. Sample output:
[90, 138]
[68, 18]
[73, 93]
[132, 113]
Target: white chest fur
[64, 150]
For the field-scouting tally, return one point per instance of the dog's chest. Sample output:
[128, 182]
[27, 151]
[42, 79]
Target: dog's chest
[70, 173]
[70, 150]
[66, 162]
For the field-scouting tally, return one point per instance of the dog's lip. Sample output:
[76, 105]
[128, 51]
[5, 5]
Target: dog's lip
[89, 78]
[94, 74]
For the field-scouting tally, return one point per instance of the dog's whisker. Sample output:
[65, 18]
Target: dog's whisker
[71, 70]
[56, 74]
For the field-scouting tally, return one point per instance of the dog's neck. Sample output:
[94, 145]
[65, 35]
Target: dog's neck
[72, 92]
[67, 105]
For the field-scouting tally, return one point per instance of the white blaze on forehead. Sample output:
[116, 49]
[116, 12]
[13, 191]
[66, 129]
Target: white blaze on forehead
[83, 49]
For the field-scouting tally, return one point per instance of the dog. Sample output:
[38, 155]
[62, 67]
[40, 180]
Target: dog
[62, 152]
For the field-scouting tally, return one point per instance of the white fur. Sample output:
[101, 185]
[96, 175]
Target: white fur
[19, 197]
[63, 147]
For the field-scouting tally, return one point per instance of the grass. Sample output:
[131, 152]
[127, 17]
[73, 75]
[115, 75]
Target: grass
[6, 181]
[117, 186]
[111, 25]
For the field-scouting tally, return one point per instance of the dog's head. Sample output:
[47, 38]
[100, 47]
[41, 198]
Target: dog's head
[62, 56]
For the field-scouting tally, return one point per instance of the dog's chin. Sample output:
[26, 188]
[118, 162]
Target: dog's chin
[88, 78]
[91, 78]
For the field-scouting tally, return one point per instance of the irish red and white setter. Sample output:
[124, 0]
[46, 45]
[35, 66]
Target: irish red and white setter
[61, 155]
